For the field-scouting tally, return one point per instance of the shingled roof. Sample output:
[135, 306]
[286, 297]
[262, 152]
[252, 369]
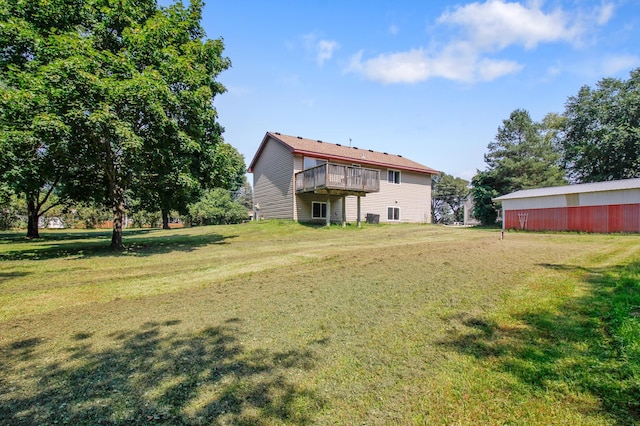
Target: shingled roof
[337, 152]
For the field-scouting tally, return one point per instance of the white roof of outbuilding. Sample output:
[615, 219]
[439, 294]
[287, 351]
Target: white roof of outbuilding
[614, 185]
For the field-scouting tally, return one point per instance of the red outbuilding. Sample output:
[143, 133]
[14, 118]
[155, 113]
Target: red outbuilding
[605, 207]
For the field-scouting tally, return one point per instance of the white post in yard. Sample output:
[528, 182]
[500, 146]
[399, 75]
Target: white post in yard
[328, 215]
[359, 222]
[344, 211]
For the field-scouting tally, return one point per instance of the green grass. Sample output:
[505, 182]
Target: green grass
[280, 323]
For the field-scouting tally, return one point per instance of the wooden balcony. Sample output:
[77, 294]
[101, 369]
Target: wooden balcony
[338, 179]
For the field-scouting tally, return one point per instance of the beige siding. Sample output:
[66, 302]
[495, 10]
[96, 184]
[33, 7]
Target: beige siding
[412, 196]
[304, 207]
[273, 182]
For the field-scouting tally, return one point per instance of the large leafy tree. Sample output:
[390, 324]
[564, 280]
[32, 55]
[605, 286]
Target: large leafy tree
[244, 194]
[36, 50]
[186, 153]
[132, 99]
[447, 198]
[157, 115]
[483, 191]
[601, 138]
[219, 165]
[522, 156]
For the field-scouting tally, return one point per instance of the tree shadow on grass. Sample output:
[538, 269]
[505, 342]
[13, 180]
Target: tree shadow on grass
[62, 235]
[574, 347]
[154, 375]
[138, 243]
[9, 275]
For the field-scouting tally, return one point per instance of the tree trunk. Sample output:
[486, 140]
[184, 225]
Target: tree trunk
[116, 192]
[165, 219]
[116, 236]
[32, 220]
[117, 200]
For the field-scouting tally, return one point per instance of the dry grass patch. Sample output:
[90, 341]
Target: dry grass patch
[278, 323]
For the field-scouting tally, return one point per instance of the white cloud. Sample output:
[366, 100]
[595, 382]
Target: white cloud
[496, 24]
[605, 13]
[615, 64]
[489, 70]
[325, 50]
[403, 67]
[321, 49]
[481, 31]
[456, 62]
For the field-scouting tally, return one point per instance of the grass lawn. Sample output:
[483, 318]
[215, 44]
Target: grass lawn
[280, 323]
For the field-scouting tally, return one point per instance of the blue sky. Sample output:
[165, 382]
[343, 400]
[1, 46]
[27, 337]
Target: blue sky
[430, 80]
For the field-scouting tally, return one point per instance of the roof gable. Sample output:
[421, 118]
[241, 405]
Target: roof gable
[338, 152]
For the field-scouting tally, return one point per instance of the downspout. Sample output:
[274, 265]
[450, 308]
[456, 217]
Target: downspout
[502, 226]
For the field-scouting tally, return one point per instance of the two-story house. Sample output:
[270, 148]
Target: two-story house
[315, 181]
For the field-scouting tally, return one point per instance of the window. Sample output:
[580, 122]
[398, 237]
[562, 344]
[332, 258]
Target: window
[393, 213]
[312, 162]
[393, 176]
[319, 210]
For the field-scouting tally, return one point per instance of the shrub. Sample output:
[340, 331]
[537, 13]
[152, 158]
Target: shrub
[216, 207]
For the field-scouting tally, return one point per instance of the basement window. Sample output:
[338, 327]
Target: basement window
[393, 214]
[318, 210]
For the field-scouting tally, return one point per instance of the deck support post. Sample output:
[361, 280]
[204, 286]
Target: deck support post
[359, 222]
[328, 211]
[344, 211]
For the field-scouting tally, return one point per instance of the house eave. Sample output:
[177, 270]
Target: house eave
[363, 161]
[345, 159]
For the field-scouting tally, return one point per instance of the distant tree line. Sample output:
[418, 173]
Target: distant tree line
[448, 194]
[596, 138]
[215, 207]
[110, 104]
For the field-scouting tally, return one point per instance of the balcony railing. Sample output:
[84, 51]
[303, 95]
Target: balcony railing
[335, 177]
